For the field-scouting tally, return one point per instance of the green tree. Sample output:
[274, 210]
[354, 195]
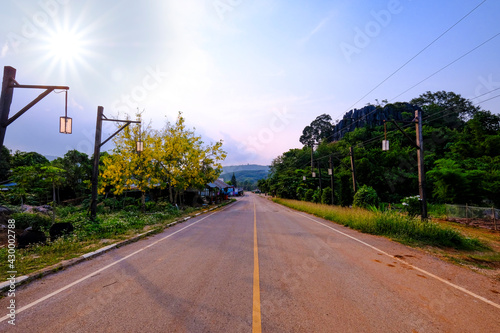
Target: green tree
[78, 169]
[365, 197]
[233, 181]
[326, 196]
[5, 160]
[320, 129]
[21, 158]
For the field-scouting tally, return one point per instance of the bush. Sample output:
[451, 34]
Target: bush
[300, 193]
[317, 196]
[308, 195]
[326, 197]
[111, 203]
[365, 197]
[35, 221]
[412, 205]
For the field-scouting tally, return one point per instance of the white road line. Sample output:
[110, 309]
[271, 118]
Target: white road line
[26, 307]
[470, 293]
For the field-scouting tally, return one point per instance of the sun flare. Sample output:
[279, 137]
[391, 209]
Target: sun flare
[64, 46]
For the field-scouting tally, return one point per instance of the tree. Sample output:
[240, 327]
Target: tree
[185, 160]
[320, 129]
[5, 160]
[446, 108]
[126, 168]
[365, 197]
[233, 181]
[78, 168]
[21, 158]
[173, 158]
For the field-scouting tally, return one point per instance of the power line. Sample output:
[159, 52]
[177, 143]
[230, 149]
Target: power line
[451, 63]
[489, 99]
[486, 93]
[412, 58]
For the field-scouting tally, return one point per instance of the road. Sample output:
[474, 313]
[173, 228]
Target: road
[256, 266]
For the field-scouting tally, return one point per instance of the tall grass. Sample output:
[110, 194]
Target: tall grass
[398, 227]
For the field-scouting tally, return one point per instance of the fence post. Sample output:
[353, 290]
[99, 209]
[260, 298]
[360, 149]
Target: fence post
[466, 211]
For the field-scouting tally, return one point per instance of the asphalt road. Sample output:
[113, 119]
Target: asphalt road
[296, 273]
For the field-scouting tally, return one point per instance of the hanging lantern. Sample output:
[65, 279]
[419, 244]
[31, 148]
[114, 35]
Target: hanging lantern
[65, 123]
[385, 145]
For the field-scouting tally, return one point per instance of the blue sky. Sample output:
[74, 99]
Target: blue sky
[251, 72]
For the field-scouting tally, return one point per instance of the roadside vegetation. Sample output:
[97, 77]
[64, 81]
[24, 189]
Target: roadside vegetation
[399, 227]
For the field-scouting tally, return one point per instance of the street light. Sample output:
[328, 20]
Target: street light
[65, 123]
[9, 83]
[140, 146]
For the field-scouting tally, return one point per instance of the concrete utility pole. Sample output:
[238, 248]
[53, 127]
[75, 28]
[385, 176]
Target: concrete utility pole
[353, 169]
[420, 158]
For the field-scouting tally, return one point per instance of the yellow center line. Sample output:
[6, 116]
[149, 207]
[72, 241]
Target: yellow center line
[256, 321]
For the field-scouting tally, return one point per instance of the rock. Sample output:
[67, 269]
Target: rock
[60, 229]
[29, 237]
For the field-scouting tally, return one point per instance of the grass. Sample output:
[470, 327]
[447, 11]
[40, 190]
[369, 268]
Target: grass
[394, 225]
[87, 236]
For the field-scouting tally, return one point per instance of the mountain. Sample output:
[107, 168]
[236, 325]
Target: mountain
[246, 167]
[246, 175]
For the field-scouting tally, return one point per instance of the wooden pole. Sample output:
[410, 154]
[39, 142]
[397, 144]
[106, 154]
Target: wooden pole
[420, 158]
[95, 170]
[331, 179]
[9, 74]
[319, 171]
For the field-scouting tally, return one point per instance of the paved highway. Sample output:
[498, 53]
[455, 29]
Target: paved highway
[256, 266]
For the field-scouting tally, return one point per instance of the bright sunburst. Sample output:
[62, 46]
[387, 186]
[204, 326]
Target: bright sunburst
[64, 46]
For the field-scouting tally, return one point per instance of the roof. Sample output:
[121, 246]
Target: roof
[218, 184]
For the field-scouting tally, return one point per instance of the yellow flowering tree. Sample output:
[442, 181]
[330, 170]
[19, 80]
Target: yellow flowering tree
[173, 158]
[126, 168]
[185, 160]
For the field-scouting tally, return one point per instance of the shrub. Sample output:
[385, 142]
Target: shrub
[365, 197]
[317, 196]
[412, 205]
[326, 197]
[308, 195]
[36, 221]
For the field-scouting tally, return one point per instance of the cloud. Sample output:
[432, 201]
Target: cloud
[316, 29]
[5, 49]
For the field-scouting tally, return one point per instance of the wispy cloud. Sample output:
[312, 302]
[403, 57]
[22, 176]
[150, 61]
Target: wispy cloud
[316, 29]
[5, 49]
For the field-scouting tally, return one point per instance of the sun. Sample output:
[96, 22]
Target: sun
[64, 46]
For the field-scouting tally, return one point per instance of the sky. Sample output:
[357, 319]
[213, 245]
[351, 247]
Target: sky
[252, 73]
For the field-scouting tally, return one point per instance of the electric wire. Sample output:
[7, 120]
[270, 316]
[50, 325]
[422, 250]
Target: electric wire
[420, 52]
[443, 68]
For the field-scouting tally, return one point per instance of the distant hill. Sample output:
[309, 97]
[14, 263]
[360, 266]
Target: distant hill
[246, 175]
[51, 157]
[246, 167]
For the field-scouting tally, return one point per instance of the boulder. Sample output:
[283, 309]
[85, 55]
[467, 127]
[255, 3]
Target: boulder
[60, 229]
[30, 236]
